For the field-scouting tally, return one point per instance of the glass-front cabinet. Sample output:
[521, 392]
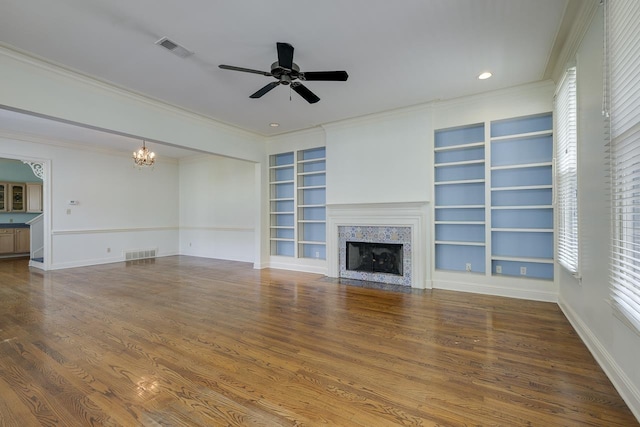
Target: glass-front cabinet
[3, 196]
[17, 197]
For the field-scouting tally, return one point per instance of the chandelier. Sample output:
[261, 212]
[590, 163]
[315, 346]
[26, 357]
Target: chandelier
[144, 157]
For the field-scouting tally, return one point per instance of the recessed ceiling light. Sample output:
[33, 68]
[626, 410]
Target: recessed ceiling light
[485, 75]
[274, 125]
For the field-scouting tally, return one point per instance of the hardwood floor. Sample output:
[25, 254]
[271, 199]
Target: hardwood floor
[183, 341]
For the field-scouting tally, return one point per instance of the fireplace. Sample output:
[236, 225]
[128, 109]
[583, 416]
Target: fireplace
[374, 257]
[383, 225]
[375, 253]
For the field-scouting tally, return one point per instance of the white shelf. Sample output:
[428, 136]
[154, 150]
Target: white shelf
[319, 159]
[524, 230]
[460, 207]
[285, 199]
[290, 165]
[523, 187]
[522, 207]
[312, 187]
[464, 181]
[461, 222]
[311, 173]
[522, 259]
[312, 221]
[459, 147]
[280, 239]
[311, 242]
[312, 206]
[282, 227]
[522, 135]
[281, 213]
[458, 243]
[289, 181]
[460, 163]
[522, 166]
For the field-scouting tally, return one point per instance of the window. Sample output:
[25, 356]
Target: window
[622, 107]
[567, 171]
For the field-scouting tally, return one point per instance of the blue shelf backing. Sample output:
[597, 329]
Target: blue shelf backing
[522, 218]
[314, 251]
[282, 233]
[534, 270]
[539, 175]
[282, 206]
[282, 159]
[541, 197]
[518, 151]
[460, 194]
[460, 214]
[460, 172]
[314, 213]
[522, 244]
[283, 248]
[313, 180]
[460, 155]
[313, 153]
[460, 232]
[520, 125]
[283, 191]
[313, 231]
[283, 174]
[456, 257]
[459, 135]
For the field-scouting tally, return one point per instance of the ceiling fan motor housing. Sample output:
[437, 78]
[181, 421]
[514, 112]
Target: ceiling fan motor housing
[285, 75]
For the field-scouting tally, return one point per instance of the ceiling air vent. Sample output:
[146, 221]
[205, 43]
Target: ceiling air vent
[174, 47]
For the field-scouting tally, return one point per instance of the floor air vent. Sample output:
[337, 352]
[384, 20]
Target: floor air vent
[140, 254]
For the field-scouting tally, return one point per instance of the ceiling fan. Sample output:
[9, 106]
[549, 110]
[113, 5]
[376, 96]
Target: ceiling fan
[286, 72]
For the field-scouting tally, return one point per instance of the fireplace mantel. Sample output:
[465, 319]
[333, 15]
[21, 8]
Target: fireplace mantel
[410, 214]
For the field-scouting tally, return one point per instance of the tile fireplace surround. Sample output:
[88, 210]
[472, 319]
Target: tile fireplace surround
[404, 223]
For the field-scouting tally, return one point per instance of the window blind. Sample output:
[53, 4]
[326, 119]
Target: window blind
[567, 171]
[622, 104]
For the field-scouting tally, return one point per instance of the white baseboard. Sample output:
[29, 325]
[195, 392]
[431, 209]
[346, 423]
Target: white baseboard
[99, 261]
[629, 393]
[496, 290]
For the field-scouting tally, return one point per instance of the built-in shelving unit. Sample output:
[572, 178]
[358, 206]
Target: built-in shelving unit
[517, 178]
[298, 203]
[460, 199]
[282, 204]
[312, 203]
[522, 196]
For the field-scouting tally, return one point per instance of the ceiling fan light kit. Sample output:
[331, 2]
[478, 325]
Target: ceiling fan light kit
[288, 73]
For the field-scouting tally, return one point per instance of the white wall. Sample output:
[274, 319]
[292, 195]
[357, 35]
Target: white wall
[380, 158]
[31, 85]
[586, 302]
[218, 208]
[120, 207]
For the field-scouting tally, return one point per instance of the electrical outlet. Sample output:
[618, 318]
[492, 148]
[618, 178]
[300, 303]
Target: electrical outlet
[468, 266]
[498, 269]
[68, 211]
[317, 254]
[523, 271]
[108, 250]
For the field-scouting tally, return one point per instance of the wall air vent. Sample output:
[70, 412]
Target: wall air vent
[174, 47]
[132, 255]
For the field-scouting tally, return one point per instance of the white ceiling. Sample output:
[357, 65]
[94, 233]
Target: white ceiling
[397, 53]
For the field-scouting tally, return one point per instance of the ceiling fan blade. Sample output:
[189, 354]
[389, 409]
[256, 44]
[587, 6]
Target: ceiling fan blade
[244, 70]
[329, 76]
[264, 90]
[285, 55]
[304, 92]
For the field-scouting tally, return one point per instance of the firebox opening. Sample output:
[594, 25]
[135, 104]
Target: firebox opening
[375, 257]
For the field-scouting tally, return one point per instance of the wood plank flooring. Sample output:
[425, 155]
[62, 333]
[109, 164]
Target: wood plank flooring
[184, 341]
